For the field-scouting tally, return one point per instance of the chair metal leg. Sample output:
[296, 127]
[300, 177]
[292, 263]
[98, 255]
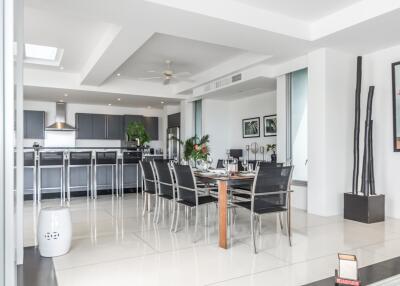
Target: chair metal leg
[253, 237]
[259, 224]
[144, 204]
[173, 215]
[156, 209]
[196, 224]
[289, 232]
[177, 217]
[280, 220]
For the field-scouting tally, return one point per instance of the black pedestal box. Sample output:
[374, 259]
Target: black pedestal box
[366, 209]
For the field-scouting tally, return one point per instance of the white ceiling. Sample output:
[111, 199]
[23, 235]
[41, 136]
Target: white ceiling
[186, 56]
[306, 10]
[78, 37]
[92, 97]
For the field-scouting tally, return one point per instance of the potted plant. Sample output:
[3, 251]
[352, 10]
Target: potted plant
[195, 149]
[136, 132]
[272, 147]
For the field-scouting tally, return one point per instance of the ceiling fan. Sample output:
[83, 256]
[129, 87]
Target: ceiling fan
[168, 74]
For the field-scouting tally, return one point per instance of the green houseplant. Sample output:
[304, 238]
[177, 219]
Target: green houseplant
[195, 148]
[136, 131]
[272, 147]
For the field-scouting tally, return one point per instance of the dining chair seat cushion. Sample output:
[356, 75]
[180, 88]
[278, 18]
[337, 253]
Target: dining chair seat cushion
[262, 207]
[166, 196]
[202, 200]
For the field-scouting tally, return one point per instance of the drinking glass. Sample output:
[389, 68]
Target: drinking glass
[245, 164]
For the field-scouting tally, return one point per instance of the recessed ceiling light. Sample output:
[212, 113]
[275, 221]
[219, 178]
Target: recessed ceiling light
[119, 99]
[65, 94]
[118, 74]
[61, 100]
[149, 106]
[162, 102]
[109, 104]
[61, 68]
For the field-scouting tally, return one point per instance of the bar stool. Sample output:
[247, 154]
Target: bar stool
[106, 159]
[51, 160]
[30, 163]
[80, 160]
[130, 158]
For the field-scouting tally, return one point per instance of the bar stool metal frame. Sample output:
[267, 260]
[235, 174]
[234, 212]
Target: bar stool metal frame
[74, 163]
[32, 165]
[114, 171]
[127, 160]
[51, 166]
[149, 178]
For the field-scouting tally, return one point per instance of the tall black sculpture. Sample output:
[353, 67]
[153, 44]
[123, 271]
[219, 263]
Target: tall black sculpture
[367, 207]
[356, 148]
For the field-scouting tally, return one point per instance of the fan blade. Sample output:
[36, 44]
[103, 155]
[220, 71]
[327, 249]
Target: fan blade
[148, 78]
[183, 74]
[183, 79]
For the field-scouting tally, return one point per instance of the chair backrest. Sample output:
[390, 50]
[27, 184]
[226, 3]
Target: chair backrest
[185, 183]
[270, 164]
[29, 159]
[272, 179]
[80, 158]
[106, 158]
[148, 175]
[51, 158]
[165, 179]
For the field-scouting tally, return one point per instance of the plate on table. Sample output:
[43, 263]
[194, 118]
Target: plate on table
[247, 174]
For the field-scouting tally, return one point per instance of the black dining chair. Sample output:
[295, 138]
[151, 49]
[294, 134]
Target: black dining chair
[166, 187]
[149, 182]
[270, 194]
[189, 194]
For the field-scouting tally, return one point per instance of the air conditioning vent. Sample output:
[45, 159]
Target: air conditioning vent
[217, 84]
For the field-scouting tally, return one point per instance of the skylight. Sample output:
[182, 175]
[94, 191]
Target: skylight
[40, 52]
[43, 55]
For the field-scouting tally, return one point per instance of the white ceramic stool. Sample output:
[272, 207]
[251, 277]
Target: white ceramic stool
[54, 231]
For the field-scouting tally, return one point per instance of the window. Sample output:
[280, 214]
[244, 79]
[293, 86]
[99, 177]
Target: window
[197, 118]
[43, 55]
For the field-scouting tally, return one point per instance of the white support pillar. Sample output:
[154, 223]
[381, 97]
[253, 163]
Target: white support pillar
[331, 80]
[281, 114]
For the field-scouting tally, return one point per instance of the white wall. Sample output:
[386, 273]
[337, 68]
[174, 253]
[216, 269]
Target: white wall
[331, 76]
[72, 108]
[258, 105]
[377, 71]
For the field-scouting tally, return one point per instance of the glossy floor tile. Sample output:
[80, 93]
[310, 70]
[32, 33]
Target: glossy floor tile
[113, 244]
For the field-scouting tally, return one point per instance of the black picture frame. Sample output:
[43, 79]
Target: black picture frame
[396, 140]
[256, 133]
[269, 118]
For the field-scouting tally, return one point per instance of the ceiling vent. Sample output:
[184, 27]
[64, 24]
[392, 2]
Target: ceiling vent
[217, 84]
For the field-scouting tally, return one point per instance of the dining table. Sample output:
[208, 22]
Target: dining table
[224, 180]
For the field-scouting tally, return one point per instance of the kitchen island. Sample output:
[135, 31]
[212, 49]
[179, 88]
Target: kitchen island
[81, 178]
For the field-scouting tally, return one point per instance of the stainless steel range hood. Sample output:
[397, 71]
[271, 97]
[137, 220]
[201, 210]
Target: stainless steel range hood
[61, 115]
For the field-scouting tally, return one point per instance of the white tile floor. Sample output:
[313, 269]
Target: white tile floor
[113, 244]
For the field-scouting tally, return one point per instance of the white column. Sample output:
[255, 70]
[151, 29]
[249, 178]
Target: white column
[331, 79]
[281, 113]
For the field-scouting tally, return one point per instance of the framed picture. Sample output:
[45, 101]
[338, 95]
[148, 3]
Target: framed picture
[396, 105]
[251, 127]
[270, 125]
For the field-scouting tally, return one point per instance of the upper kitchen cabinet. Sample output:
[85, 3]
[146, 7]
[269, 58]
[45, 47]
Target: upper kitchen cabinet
[151, 126]
[131, 118]
[115, 127]
[34, 122]
[84, 126]
[90, 126]
[99, 126]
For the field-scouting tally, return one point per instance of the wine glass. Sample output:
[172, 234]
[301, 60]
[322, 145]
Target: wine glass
[245, 164]
[209, 162]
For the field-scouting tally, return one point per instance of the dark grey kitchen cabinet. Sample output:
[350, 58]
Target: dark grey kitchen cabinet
[99, 126]
[132, 118]
[34, 122]
[84, 126]
[151, 126]
[115, 127]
